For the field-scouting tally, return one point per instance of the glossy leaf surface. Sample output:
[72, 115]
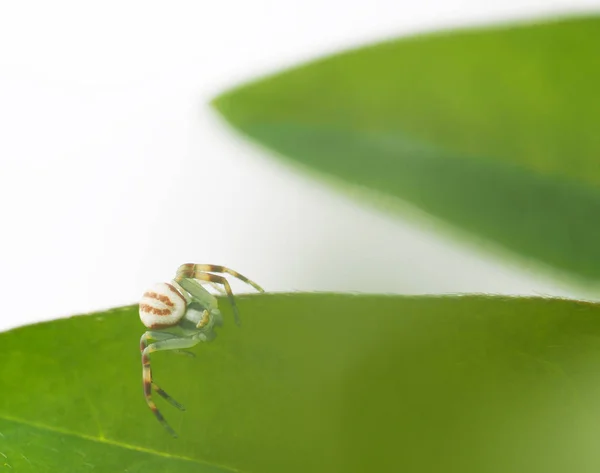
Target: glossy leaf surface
[319, 382]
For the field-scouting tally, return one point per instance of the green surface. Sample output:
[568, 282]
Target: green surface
[48, 449]
[315, 382]
[495, 131]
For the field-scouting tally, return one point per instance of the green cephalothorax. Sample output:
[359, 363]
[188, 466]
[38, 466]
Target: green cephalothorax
[179, 315]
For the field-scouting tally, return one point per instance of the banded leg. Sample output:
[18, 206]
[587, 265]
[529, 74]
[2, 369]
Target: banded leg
[186, 270]
[168, 344]
[202, 276]
[144, 342]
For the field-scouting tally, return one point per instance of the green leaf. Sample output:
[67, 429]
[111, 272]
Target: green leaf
[495, 131]
[315, 382]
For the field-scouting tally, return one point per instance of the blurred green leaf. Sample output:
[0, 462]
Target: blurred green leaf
[496, 131]
[315, 383]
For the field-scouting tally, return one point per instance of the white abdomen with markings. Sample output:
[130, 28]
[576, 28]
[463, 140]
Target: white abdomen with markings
[162, 306]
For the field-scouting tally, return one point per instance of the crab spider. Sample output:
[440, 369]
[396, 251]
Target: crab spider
[181, 314]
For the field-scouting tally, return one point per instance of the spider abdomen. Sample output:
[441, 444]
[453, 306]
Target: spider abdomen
[162, 306]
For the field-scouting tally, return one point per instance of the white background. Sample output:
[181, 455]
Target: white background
[113, 169]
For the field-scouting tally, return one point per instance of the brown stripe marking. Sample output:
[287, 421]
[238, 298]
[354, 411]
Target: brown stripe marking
[190, 270]
[175, 291]
[153, 310]
[159, 297]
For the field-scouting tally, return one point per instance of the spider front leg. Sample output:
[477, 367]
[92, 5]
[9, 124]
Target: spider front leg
[217, 288]
[200, 272]
[203, 297]
[189, 269]
[198, 292]
[173, 343]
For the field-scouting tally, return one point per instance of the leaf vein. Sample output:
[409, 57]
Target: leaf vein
[114, 443]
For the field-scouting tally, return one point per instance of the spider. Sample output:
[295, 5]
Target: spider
[181, 314]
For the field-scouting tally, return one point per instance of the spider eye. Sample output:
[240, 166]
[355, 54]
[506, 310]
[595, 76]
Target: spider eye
[162, 306]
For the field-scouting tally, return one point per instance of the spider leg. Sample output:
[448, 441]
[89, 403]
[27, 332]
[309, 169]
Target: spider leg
[168, 344]
[216, 287]
[144, 342]
[185, 352]
[198, 292]
[164, 394]
[184, 280]
[186, 270]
